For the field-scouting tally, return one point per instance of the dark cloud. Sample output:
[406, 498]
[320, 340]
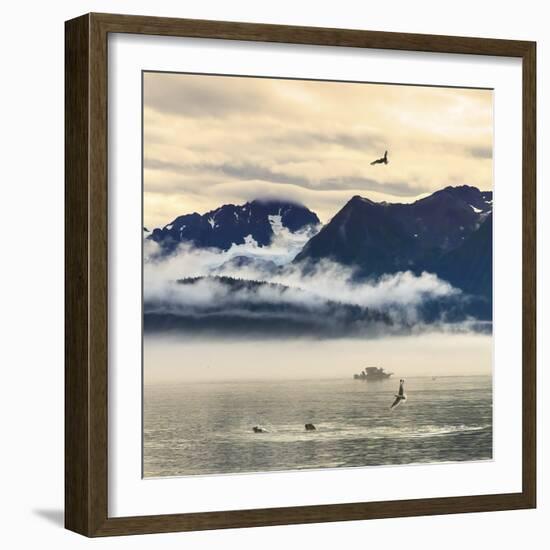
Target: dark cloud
[244, 171]
[156, 164]
[356, 142]
[481, 152]
[395, 188]
[190, 97]
[250, 171]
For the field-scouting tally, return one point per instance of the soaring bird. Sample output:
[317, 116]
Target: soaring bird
[383, 160]
[401, 396]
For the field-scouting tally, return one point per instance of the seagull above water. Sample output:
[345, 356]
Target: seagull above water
[383, 160]
[401, 396]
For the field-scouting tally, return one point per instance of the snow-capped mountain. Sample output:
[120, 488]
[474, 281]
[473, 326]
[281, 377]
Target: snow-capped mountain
[253, 222]
[382, 238]
[270, 267]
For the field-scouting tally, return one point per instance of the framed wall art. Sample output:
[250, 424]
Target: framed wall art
[300, 275]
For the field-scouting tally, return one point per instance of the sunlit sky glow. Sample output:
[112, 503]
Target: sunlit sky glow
[213, 140]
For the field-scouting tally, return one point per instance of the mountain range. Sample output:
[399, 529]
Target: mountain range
[234, 225]
[385, 238]
[448, 233]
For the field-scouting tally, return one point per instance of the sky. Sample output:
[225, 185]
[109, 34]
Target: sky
[213, 140]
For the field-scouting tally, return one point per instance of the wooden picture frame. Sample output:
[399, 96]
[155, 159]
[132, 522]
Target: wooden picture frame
[86, 283]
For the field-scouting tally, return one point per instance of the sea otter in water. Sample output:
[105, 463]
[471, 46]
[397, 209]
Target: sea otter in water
[259, 430]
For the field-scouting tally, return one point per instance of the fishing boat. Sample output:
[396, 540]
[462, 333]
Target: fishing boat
[372, 374]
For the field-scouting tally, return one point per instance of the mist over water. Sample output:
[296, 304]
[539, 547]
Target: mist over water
[172, 360]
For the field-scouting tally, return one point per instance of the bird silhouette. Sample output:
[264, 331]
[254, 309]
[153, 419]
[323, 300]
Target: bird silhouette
[383, 160]
[401, 396]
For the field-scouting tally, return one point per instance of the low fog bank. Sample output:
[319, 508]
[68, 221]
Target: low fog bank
[325, 280]
[201, 291]
[169, 360]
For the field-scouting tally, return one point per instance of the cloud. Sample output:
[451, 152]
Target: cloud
[350, 139]
[481, 152]
[210, 140]
[394, 188]
[254, 172]
[168, 93]
[266, 293]
[245, 171]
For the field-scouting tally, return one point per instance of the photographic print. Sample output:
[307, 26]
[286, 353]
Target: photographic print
[317, 274]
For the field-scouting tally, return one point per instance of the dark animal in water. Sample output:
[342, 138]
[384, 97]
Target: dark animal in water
[383, 160]
[259, 430]
[310, 427]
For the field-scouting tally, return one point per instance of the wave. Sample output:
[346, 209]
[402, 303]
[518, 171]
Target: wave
[336, 432]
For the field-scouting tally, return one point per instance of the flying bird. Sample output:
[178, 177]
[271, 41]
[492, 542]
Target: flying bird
[383, 160]
[401, 396]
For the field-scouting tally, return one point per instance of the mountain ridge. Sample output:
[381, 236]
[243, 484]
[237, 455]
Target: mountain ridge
[448, 233]
[232, 224]
[380, 238]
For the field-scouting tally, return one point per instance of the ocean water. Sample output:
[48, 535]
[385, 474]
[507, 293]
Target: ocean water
[206, 428]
